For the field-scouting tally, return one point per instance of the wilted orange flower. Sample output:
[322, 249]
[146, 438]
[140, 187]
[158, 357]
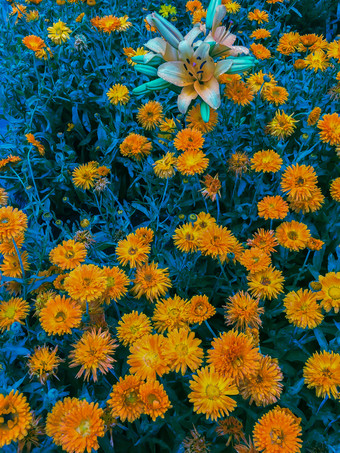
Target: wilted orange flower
[135, 146]
[273, 208]
[189, 139]
[147, 357]
[260, 33]
[192, 162]
[238, 163]
[314, 116]
[86, 283]
[264, 240]
[288, 43]
[322, 372]
[171, 313]
[186, 238]
[282, 125]
[212, 187]
[151, 282]
[264, 387]
[299, 64]
[93, 352]
[14, 310]
[233, 354]
[8, 162]
[231, 427]
[183, 351]
[133, 251]
[293, 235]
[329, 127]
[258, 16]
[243, 311]
[210, 393]
[330, 291]
[261, 52]
[194, 120]
[68, 255]
[31, 139]
[200, 309]
[150, 115]
[196, 442]
[12, 223]
[60, 315]
[133, 326]
[266, 161]
[43, 363]
[256, 81]
[255, 260]
[239, 92]
[277, 431]
[125, 400]
[266, 284]
[165, 167]
[15, 417]
[302, 309]
[155, 399]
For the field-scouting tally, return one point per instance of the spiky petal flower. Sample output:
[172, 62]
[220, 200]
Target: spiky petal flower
[302, 309]
[155, 399]
[322, 372]
[14, 310]
[43, 363]
[330, 291]
[15, 417]
[125, 400]
[151, 282]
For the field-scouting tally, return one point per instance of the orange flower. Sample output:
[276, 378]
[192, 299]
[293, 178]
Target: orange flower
[186, 238]
[11, 266]
[261, 52]
[273, 208]
[193, 5]
[264, 240]
[277, 431]
[282, 125]
[11, 311]
[86, 283]
[293, 235]
[132, 327]
[310, 204]
[171, 313]
[238, 163]
[116, 283]
[192, 162]
[330, 291]
[125, 400]
[43, 363]
[275, 94]
[200, 309]
[334, 50]
[260, 33]
[315, 244]
[151, 282]
[302, 309]
[299, 181]
[335, 189]
[288, 43]
[133, 251]
[266, 284]
[12, 223]
[60, 315]
[239, 92]
[194, 120]
[189, 139]
[150, 115]
[68, 255]
[266, 161]
[31, 139]
[322, 372]
[212, 187]
[314, 116]
[216, 241]
[135, 146]
[242, 311]
[258, 16]
[329, 127]
[155, 399]
[255, 260]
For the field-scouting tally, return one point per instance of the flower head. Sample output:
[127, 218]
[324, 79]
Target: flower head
[194, 120]
[86, 283]
[60, 315]
[273, 207]
[330, 291]
[200, 309]
[125, 400]
[192, 162]
[151, 282]
[243, 311]
[299, 181]
[14, 310]
[135, 146]
[150, 115]
[282, 125]
[165, 167]
[329, 127]
[171, 313]
[183, 351]
[132, 327]
[15, 417]
[59, 32]
[133, 251]
[302, 309]
[293, 235]
[267, 284]
[68, 255]
[118, 94]
[43, 363]
[12, 223]
[322, 372]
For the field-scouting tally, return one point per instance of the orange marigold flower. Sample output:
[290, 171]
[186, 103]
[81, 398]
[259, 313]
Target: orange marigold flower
[314, 116]
[216, 241]
[317, 60]
[33, 42]
[81, 427]
[12, 223]
[288, 43]
[231, 427]
[116, 283]
[256, 81]
[210, 393]
[238, 163]
[118, 94]
[275, 94]
[8, 162]
[132, 327]
[7, 246]
[264, 387]
[330, 291]
[198, 15]
[243, 311]
[194, 120]
[314, 244]
[293, 235]
[200, 309]
[93, 352]
[266, 284]
[193, 5]
[85, 175]
[16, 417]
[282, 125]
[31, 139]
[204, 220]
[266, 161]
[233, 354]
[145, 234]
[261, 52]
[189, 139]
[147, 357]
[130, 52]
[264, 240]
[133, 251]
[43, 363]
[322, 372]
[186, 238]
[68, 255]
[239, 92]
[151, 282]
[212, 187]
[171, 313]
[333, 50]
[165, 167]
[273, 208]
[183, 351]
[192, 162]
[14, 310]
[260, 33]
[155, 399]
[125, 400]
[300, 64]
[135, 146]
[60, 315]
[299, 181]
[277, 431]
[150, 115]
[329, 127]
[255, 260]
[335, 189]
[11, 266]
[258, 16]
[302, 309]
[56, 417]
[86, 283]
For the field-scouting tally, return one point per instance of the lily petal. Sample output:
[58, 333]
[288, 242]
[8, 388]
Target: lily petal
[187, 95]
[175, 73]
[236, 50]
[185, 50]
[193, 33]
[157, 45]
[171, 54]
[222, 67]
[209, 92]
[220, 13]
[202, 51]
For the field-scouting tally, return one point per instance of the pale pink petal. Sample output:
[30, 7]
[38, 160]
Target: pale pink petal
[187, 95]
[185, 50]
[175, 73]
[209, 92]
[222, 66]
[157, 45]
[220, 12]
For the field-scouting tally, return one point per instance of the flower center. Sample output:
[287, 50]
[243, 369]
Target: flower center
[277, 436]
[212, 391]
[292, 235]
[69, 254]
[182, 349]
[131, 397]
[334, 292]
[132, 250]
[110, 282]
[10, 312]
[265, 281]
[60, 316]
[84, 428]
[153, 400]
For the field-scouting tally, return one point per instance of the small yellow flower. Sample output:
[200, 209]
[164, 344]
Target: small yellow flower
[59, 32]
[118, 94]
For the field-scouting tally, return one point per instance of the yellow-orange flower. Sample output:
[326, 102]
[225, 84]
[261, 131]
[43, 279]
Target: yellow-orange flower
[288, 43]
[85, 175]
[260, 33]
[192, 162]
[258, 16]
[189, 139]
[93, 352]
[335, 189]
[314, 116]
[261, 52]
[239, 92]
[150, 115]
[43, 363]
[155, 399]
[135, 146]
[133, 251]
[212, 186]
[118, 94]
[86, 283]
[171, 313]
[264, 240]
[282, 125]
[302, 309]
[322, 372]
[33, 42]
[11, 265]
[125, 400]
[273, 207]
[116, 283]
[15, 417]
[266, 284]
[165, 167]
[293, 235]
[194, 120]
[266, 161]
[59, 32]
[277, 432]
[14, 310]
[151, 282]
[200, 309]
[255, 259]
[317, 60]
[210, 393]
[186, 238]
[329, 127]
[243, 311]
[60, 315]
[275, 94]
[68, 255]
[12, 222]
[216, 241]
[132, 327]
[330, 291]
